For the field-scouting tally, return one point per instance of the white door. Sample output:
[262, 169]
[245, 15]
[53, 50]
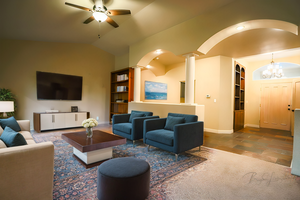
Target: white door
[59, 121]
[70, 120]
[80, 117]
[275, 101]
[46, 121]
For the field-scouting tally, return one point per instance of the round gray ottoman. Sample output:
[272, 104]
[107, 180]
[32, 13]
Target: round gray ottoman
[123, 178]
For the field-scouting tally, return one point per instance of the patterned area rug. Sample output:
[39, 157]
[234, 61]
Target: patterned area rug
[73, 181]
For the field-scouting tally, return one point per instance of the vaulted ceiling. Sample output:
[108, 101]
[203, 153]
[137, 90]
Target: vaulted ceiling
[53, 21]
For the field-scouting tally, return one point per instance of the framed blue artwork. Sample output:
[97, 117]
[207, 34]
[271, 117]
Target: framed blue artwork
[155, 91]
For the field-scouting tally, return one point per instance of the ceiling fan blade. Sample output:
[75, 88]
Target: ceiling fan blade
[119, 12]
[88, 20]
[112, 22]
[76, 6]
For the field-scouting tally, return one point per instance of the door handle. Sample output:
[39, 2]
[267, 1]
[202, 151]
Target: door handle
[293, 110]
[75, 117]
[53, 118]
[289, 109]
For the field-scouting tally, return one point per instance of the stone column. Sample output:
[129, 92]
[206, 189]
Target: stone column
[137, 84]
[189, 78]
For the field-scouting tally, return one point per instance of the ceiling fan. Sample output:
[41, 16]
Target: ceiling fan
[101, 13]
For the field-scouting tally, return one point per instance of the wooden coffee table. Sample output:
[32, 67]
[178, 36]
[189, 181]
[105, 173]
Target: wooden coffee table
[93, 151]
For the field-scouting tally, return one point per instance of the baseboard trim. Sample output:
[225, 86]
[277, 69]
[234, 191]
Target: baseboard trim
[251, 125]
[218, 131]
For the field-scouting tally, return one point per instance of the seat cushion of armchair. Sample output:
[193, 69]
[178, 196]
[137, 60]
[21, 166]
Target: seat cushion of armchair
[123, 127]
[162, 136]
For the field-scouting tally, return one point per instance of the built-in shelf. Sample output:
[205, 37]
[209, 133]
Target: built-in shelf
[119, 92]
[119, 103]
[239, 95]
[115, 94]
[120, 81]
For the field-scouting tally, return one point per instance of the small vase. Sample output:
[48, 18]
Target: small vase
[89, 132]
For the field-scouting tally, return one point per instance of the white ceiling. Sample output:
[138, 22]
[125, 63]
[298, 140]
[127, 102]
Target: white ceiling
[53, 21]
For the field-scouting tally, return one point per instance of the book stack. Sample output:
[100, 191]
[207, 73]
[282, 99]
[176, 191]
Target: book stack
[121, 88]
[122, 77]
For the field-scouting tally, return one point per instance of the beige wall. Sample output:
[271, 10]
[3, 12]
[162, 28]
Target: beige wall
[252, 88]
[214, 77]
[121, 62]
[19, 61]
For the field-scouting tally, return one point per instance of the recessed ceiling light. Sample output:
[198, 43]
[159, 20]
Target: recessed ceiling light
[240, 27]
[158, 51]
[148, 66]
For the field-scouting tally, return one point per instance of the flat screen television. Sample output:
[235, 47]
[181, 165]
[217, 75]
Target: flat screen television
[52, 86]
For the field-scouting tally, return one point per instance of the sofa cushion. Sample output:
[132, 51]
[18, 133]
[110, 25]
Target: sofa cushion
[162, 136]
[12, 138]
[26, 135]
[172, 121]
[124, 127]
[2, 144]
[10, 122]
[134, 115]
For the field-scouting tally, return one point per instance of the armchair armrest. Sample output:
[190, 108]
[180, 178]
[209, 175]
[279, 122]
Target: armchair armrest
[27, 171]
[121, 118]
[187, 136]
[137, 125]
[24, 125]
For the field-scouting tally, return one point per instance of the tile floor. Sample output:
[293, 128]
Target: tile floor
[271, 145]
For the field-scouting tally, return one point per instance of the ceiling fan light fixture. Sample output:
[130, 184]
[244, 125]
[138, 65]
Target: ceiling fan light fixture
[100, 16]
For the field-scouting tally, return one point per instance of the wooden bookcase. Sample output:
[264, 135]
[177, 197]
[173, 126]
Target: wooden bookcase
[239, 97]
[121, 91]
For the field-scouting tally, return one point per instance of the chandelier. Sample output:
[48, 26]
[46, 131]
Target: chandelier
[274, 70]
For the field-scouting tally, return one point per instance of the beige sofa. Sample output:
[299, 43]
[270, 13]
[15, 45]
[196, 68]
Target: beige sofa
[26, 172]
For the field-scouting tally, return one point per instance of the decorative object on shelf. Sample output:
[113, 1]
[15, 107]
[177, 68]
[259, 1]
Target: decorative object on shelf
[89, 124]
[122, 88]
[7, 95]
[274, 70]
[74, 108]
[6, 106]
[155, 91]
[122, 77]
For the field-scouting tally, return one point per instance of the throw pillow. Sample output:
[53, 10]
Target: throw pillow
[12, 138]
[11, 122]
[172, 121]
[134, 115]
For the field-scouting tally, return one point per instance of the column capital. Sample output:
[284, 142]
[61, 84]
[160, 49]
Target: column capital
[190, 55]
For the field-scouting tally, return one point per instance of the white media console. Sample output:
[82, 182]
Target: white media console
[58, 120]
